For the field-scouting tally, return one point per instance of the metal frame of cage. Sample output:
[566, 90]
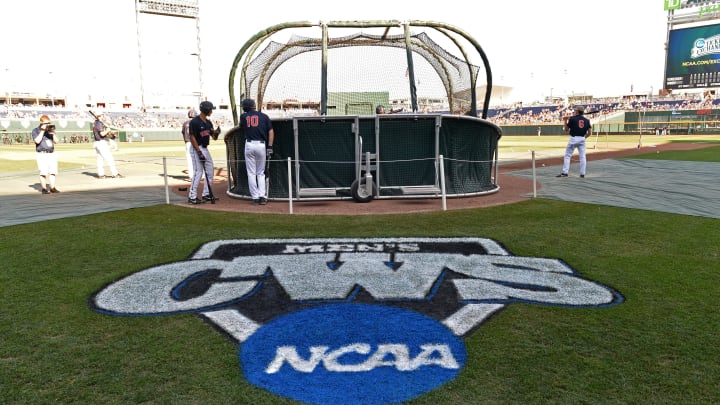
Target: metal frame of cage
[364, 161]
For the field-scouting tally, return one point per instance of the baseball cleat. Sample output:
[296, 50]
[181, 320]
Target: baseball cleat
[562, 175]
[194, 201]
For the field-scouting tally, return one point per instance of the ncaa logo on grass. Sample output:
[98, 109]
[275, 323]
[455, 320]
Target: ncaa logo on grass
[330, 321]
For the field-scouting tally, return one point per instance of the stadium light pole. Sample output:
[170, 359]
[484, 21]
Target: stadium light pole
[52, 96]
[8, 93]
[200, 82]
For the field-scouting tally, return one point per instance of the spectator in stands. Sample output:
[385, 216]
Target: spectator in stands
[380, 109]
[45, 140]
[102, 149]
[579, 129]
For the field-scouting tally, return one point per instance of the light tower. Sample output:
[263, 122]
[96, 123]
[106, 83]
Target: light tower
[179, 9]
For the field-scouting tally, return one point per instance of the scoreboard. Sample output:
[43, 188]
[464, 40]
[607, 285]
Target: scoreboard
[693, 58]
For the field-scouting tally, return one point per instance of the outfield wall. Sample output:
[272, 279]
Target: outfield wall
[703, 122]
[14, 131]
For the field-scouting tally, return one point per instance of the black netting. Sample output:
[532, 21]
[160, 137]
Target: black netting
[359, 63]
[325, 154]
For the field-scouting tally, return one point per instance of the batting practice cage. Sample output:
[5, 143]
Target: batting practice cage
[322, 84]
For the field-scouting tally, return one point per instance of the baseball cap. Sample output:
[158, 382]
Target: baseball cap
[580, 108]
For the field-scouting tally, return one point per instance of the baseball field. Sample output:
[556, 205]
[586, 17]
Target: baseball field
[94, 311]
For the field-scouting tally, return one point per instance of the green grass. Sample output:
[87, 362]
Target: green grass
[540, 144]
[660, 346]
[26, 165]
[21, 157]
[709, 154]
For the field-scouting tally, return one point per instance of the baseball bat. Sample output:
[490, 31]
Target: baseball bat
[207, 181]
[267, 176]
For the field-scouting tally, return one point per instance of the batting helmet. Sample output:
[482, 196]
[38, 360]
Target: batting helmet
[206, 107]
[192, 113]
[44, 119]
[248, 104]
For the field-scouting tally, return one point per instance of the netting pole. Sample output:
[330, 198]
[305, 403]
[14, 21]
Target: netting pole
[290, 195]
[324, 71]
[534, 178]
[442, 183]
[411, 69]
[167, 192]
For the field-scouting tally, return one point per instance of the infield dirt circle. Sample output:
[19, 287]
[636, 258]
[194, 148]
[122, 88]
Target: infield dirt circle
[512, 189]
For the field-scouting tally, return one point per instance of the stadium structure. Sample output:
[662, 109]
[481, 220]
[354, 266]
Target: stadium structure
[686, 101]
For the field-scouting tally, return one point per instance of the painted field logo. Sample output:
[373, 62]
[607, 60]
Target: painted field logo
[331, 321]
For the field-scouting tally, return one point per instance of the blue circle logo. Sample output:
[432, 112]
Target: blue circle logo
[352, 353]
[700, 43]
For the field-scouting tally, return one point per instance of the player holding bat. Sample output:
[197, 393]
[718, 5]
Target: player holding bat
[102, 133]
[201, 130]
[579, 128]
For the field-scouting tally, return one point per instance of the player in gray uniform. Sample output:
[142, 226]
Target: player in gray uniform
[580, 129]
[201, 130]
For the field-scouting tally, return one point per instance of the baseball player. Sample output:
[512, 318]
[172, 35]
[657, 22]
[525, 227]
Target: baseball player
[580, 129]
[201, 130]
[102, 149]
[259, 138]
[45, 140]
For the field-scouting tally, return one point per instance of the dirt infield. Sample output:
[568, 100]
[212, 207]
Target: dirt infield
[512, 189]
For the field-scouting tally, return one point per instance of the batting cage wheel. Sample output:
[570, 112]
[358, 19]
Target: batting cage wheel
[321, 91]
[359, 190]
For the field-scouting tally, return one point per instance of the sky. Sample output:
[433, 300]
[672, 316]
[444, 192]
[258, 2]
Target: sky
[88, 49]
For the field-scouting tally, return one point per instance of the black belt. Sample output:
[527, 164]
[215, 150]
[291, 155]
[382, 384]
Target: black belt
[254, 141]
[43, 151]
